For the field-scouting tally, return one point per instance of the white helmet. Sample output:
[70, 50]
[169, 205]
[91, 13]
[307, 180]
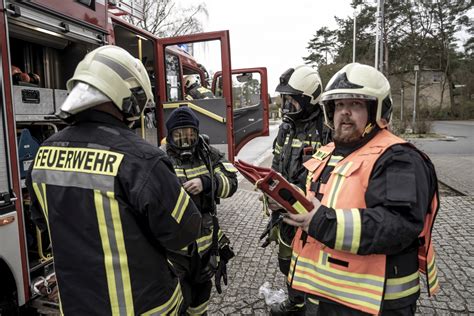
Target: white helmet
[116, 74]
[190, 81]
[304, 85]
[358, 81]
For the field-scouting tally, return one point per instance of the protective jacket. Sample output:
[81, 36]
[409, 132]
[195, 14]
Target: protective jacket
[199, 92]
[225, 184]
[112, 204]
[294, 144]
[378, 207]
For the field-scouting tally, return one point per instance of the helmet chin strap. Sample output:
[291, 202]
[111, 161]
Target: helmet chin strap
[368, 128]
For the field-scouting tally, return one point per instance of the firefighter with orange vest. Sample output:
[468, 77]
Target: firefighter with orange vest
[362, 248]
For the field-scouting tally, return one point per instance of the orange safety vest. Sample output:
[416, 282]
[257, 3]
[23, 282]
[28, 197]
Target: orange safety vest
[340, 274]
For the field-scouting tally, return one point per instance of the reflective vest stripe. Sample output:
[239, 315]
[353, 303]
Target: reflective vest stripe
[337, 292]
[334, 191]
[181, 205]
[369, 282]
[402, 287]
[348, 230]
[433, 275]
[170, 307]
[115, 255]
[204, 243]
[198, 310]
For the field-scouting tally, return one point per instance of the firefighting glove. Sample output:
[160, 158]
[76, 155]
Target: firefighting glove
[225, 254]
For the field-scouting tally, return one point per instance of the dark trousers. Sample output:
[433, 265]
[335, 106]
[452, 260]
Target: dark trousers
[294, 296]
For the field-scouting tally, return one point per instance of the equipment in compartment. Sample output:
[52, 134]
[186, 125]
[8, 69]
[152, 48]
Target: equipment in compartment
[27, 149]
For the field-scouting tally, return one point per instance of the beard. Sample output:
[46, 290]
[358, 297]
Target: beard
[346, 132]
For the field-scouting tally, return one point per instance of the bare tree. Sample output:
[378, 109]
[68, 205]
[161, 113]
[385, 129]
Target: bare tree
[165, 18]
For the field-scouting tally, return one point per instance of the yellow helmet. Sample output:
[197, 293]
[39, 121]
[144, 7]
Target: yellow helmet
[358, 81]
[116, 74]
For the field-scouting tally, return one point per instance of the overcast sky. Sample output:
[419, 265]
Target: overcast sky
[272, 34]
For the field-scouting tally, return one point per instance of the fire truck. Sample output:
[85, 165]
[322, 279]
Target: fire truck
[41, 42]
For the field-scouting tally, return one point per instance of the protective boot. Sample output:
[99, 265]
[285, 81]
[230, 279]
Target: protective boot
[287, 307]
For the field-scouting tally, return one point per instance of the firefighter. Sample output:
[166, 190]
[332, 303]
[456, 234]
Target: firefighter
[194, 90]
[361, 249]
[299, 136]
[111, 201]
[207, 177]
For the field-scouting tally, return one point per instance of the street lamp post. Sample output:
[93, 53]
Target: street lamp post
[354, 38]
[416, 68]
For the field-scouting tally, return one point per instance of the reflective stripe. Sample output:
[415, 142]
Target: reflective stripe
[204, 243]
[334, 160]
[298, 143]
[171, 306]
[402, 287]
[433, 275]
[191, 172]
[181, 205]
[370, 282]
[74, 179]
[199, 310]
[336, 292]
[277, 149]
[83, 160]
[120, 70]
[224, 183]
[229, 167]
[313, 301]
[348, 231]
[115, 255]
[299, 208]
[337, 183]
[321, 154]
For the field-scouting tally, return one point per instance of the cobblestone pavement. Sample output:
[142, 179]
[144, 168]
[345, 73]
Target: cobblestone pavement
[242, 219]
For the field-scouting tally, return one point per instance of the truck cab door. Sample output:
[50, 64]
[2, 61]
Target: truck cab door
[174, 62]
[250, 103]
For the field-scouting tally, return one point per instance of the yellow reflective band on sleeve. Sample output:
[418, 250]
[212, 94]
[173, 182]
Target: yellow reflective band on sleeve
[170, 307]
[277, 149]
[199, 310]
[179, 172]
[299, 208]
[40, 191]
[115, 255]
[229, 167]
[195, 172]
[397, 288]
[204, 243]
[348, 231]
[85, 160]
[224, 184]
[180, 206]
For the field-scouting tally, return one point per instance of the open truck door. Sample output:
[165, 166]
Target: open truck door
[216, 114]
[250, 103]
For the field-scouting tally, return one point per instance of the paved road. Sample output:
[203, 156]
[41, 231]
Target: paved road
[453, 156]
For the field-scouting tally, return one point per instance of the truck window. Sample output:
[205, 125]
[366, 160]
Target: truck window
[173, 78]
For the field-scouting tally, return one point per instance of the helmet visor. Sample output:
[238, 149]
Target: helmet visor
[184, 137]
[290, 104]
[354, 96]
